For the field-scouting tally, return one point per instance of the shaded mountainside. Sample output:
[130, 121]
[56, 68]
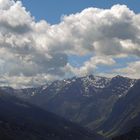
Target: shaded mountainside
[20, 120]
[125, 114]
[134, 134]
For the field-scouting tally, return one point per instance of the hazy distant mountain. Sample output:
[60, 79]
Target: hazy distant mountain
[22, 121]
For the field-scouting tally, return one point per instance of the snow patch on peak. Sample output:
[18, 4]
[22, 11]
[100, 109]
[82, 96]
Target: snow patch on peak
[96, 81]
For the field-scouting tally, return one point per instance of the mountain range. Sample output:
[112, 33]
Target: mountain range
[21, 120]
[108, 106]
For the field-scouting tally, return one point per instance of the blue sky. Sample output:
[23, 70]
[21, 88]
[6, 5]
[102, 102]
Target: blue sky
[94, 37]
[52, 10]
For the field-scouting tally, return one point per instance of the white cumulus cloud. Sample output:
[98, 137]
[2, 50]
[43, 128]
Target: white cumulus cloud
[31, 50]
